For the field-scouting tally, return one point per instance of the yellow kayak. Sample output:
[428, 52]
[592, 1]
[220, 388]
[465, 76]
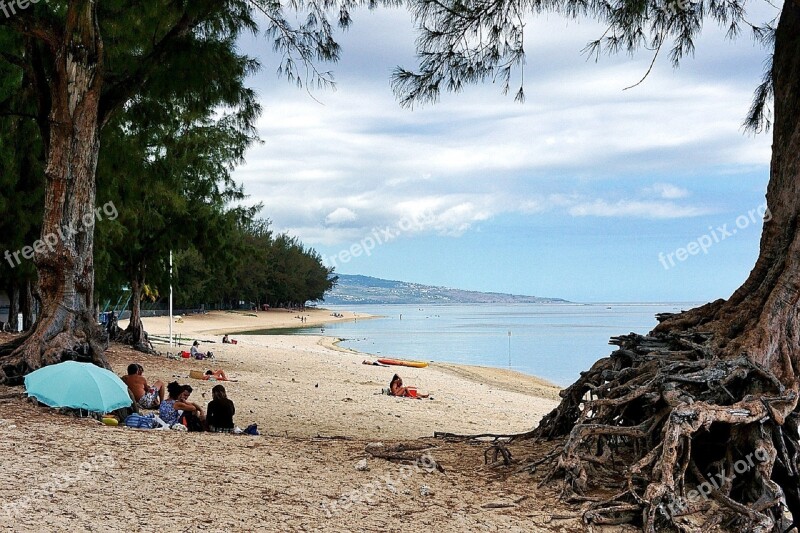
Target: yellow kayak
[401, 362]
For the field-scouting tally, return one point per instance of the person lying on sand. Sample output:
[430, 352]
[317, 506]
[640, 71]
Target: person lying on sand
[146, 396]
[216, 375]
[373, 363]
[396, 388]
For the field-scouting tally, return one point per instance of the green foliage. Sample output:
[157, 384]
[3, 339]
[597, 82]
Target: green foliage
[21, 171]
[470, 41]
[177, 118]
[167, 159]
[260, 268]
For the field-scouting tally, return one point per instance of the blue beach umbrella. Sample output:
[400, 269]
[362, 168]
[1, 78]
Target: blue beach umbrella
[79, 386]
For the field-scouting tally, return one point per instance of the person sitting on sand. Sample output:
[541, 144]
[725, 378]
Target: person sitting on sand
[193, 417]
[195, 351]
[146, 396]
[396, 388]
[220, 411]
[215, 375]
[225, 339]
[172, 409]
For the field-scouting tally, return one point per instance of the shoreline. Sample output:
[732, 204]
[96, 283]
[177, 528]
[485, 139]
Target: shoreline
[215, 324]
[319, 410]
[219, 323]
[307, 385]
[502, 378]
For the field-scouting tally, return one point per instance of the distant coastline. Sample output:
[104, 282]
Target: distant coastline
[366, 290]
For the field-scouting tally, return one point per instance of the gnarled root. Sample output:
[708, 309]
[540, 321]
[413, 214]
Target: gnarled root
[687, 437]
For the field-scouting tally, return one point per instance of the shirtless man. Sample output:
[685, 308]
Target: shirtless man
[147, 396]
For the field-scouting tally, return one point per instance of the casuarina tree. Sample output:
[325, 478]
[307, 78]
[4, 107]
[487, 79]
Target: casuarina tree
[86, 60]
[701, 415]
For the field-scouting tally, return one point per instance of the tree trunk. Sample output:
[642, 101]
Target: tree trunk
[13, 307]
[761, 317]
[66, 328]
[686, 404]
[26, 306]
[134, 333]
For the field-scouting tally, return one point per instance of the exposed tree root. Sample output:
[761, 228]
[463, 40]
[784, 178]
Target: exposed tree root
[690, 439]
[53, 340]
[134, 336]
[408, 453]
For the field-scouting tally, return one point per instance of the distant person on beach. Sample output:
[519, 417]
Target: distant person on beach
[195, 351]
[146, 396]
[396, 388]
[220, 411]
[218, 375]
[225, 339]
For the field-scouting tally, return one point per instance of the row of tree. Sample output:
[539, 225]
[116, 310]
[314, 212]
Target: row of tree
[163, 185]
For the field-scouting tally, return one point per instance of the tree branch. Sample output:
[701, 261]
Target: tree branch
[125, 88]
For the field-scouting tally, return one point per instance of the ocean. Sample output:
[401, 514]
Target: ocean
[552, 341]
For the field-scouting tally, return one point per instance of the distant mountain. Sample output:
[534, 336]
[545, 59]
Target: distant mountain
[367, 290]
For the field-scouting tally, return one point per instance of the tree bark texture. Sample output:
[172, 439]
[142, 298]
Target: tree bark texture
[672, 411]
[66, 327]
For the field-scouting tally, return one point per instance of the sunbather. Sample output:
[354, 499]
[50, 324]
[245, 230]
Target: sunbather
[216, 375]
[396, 388]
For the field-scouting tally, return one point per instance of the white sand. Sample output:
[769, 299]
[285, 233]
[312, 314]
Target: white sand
[65, 474]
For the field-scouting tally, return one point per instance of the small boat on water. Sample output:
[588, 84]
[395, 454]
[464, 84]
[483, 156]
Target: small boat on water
[402, 362]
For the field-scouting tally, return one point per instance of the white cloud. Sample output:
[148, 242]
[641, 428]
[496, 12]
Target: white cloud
[636, 209]
[340, 215]
[666, 191]
[580, 145]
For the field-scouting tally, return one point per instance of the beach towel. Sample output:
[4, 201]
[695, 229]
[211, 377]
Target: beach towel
[141, 421]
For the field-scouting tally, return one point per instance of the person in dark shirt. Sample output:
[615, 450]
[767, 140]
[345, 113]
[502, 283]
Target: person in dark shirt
[220, 411]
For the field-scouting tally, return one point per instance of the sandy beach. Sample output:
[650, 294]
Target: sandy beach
[319, 409]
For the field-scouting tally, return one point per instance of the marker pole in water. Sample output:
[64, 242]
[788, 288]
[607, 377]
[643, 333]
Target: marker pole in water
[509, 348]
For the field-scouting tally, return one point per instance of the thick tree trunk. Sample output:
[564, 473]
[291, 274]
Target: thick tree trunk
[761, 318]
[680, 410]
[66, 327]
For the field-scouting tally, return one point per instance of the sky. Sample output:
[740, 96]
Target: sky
[586, 191]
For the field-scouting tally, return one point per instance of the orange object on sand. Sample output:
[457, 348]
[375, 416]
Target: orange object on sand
[403, 362]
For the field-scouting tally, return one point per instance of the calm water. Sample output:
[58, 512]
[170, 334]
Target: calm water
[553, 341]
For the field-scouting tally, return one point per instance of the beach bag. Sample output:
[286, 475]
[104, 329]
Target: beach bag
[252, 429]
[140, 421]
